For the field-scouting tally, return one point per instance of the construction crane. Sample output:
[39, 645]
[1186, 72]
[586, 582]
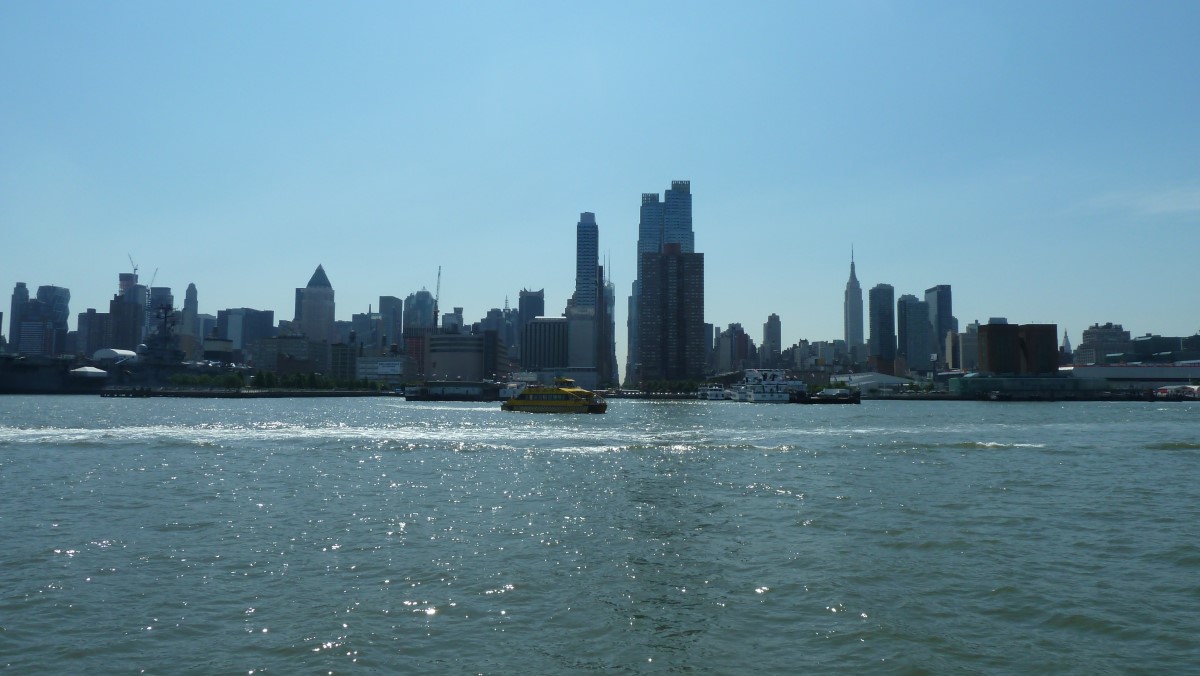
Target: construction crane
[152, 278]
[436, 295]
[132, 263]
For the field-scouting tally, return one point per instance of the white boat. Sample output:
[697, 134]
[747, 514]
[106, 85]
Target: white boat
[711, 393]
[769, 386]
[768, 393]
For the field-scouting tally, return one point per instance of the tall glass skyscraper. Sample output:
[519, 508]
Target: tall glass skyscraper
[20, 296]
[57, 300]
[587, 260]
[941, 316]
[914, 333]
[882, 309]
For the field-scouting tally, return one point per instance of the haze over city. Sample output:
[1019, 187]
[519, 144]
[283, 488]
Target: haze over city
[1040, 159]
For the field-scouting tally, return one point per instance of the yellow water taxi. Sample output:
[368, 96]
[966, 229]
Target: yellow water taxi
[561, 397]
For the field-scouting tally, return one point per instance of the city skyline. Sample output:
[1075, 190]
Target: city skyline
[587, 220]
[1042, 167]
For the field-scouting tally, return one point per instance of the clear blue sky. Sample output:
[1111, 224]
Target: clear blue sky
[1042, 158]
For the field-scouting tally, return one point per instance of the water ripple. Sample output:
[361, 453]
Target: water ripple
[296, 536]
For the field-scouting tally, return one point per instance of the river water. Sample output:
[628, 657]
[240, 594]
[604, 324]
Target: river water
[357, 535]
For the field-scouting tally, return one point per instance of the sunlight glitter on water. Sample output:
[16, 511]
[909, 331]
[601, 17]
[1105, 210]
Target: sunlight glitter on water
[705, 537]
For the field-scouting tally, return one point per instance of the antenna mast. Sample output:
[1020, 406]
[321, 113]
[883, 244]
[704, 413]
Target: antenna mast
[436, 295]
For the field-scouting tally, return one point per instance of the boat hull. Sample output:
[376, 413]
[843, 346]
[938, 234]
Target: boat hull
[546, 408]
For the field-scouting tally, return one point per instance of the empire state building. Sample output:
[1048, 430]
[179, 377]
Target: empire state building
[852, 318]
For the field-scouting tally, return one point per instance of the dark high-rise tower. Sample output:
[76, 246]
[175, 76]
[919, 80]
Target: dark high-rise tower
[420, 325]
[671, 307]
[94, 330]
[160, 297]
[772, 342]
[418, 312]
[57, 300]
[392, 310]
[39, 324]
[587, 260]
[677, 217]
[852, 315]
[915, 333]
[530, 306]
[126, 281]
[941, 316]
[127, 313]
[662, 222]
[20, 296]
[881, 308]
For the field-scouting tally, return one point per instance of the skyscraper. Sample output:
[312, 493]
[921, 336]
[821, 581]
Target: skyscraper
[189, 322]
[245, 326]
[650, 227]
[392, 309]
[734, 349]
[20, 296]
[661, 223]
[126, 281]
[315, 308]
[587, 244]
[941, 316]
[127, 314]
[915, 340]
[39, 324]
[530, 306]
[418, 312]
[852, 315]
[608, 336]
[420, 324]
[881, 308]
[544, 344]
[671, 316]
[677, 217]
[57, 300]
[94, 330]
[160, 297]
[772, 341]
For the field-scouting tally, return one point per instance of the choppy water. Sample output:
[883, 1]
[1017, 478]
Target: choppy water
[291, 536]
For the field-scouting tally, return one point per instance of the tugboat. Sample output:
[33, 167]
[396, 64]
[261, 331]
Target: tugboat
[561, 397]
